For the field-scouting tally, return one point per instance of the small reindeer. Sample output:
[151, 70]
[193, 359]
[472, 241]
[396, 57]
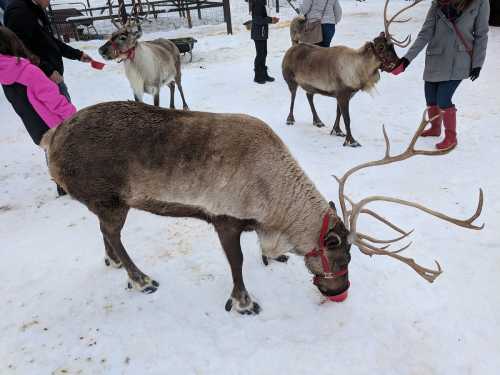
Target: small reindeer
[148, 65]
[229, 170]
[339, 71]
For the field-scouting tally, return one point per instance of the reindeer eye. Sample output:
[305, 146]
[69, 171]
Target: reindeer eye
[123, 37]
[333, 240]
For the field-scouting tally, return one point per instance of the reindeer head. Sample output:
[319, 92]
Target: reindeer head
[329, 261]
[383, 45]
[122, 42]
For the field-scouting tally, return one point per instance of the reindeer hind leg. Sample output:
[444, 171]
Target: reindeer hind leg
[316, 120]
[181, 91]
[292, 85]
[171, 85]
[336, 127]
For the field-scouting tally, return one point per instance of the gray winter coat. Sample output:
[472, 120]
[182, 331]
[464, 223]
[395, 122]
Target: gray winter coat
[313, 9]
[446, 56]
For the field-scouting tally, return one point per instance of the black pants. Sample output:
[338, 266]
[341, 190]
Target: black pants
[260, 58]
[16, 95]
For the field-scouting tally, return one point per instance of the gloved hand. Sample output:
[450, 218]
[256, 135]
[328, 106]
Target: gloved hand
[474, 73]
[403, 64]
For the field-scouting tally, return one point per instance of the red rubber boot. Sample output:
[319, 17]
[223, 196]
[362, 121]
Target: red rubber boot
[450, 129]
[435, 129]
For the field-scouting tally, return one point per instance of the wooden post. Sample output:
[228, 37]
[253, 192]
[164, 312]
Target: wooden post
[277, 6]
[188, 14]
[199, 9]
[227, 16]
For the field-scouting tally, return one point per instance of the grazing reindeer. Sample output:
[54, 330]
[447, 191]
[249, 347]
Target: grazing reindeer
[339, 71]
[148, 65]
[229, 170]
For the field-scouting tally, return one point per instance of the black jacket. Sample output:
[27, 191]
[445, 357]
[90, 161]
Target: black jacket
[260, 20]
[31, 24]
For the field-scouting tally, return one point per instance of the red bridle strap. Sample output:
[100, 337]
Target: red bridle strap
[330, 220]
[130, 52]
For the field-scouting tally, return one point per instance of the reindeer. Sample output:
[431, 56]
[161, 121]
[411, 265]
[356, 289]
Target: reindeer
[148, 65]
[339, 71]
[229, 170]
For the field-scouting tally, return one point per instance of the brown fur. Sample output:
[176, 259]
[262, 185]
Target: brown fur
[229, 170]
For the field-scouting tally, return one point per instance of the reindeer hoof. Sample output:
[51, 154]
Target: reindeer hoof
[352, 143]
[338, 133]
[149, 286]
[290, 121]
[265, 260]
[245, 307]
[319, 124]
[111, 263]
[282, 258]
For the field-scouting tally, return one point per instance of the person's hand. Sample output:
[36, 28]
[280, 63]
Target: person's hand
[474, 73]
[403, 64]
[56, 77]
[275, 19]
[85, 58]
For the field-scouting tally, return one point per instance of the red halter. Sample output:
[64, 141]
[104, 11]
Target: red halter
[130, 52]
[330, 220]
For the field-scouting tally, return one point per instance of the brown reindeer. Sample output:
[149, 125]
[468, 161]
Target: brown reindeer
[339, 71]
[229, 170]
[148, 65]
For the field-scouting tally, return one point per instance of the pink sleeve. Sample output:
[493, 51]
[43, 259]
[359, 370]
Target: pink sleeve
[47, 92]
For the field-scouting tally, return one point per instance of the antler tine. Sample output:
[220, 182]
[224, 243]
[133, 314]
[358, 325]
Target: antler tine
[465, 223]
[404, 43]
[375, 240]
[384, 220]
[113, 21]
[394, 19]
[428, 274]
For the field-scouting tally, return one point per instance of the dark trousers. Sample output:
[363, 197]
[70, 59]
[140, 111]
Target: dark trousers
[328, 31]
[440, 93]
[17, 96]
[261, 54]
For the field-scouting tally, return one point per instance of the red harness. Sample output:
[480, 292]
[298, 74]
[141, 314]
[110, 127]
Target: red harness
[130, 53]
[330, 220]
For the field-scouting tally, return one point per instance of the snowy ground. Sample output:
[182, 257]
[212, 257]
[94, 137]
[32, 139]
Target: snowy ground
[63, 312]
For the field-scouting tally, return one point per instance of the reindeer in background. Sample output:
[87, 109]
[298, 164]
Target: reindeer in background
[148, 65]
[339, 71]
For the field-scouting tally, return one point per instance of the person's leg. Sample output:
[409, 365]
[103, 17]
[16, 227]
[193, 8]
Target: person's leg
[63, 89]
[260, 60]
[328, 33]
[267, 77]
[431, 90]
[444, 99]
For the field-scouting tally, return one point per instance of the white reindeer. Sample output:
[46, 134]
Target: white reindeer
[148, 65]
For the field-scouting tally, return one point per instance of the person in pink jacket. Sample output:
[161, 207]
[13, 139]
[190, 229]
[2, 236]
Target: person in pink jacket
[35, 98]
[42, 93]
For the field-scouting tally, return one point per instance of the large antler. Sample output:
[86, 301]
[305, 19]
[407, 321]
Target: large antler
[365, 242]
[400, 43]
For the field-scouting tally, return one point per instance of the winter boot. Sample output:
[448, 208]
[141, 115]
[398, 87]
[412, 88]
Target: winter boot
[267, 77]
[435, 129]
[260, 76]
[450, 129]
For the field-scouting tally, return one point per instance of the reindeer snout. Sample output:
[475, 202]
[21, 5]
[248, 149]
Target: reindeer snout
[103, 51]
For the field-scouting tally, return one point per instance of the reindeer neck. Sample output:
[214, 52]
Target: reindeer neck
[304, 218]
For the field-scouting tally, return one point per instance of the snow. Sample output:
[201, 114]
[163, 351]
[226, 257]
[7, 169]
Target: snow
[64, 312]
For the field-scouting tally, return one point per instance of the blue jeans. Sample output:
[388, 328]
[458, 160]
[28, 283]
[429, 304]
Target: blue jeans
[328, 30]
[63, 89]
[440, 93]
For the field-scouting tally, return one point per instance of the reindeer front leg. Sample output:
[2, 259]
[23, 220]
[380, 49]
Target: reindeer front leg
[343, 102]
[336, 127]
[229, 231]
